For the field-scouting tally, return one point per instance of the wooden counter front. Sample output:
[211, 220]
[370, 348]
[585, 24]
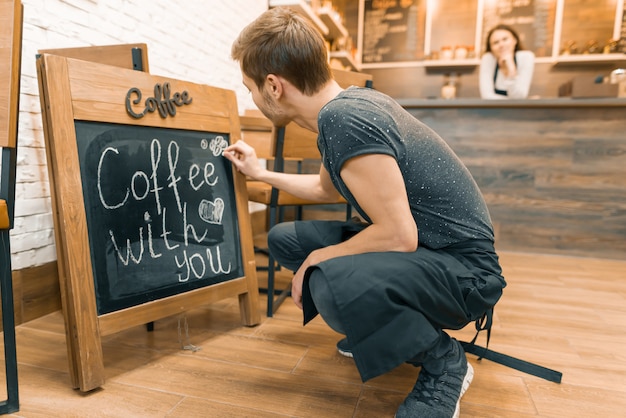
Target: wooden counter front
[553, 171]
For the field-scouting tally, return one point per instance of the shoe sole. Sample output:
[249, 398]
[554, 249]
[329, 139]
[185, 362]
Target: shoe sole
[345, 353]
[469, 375]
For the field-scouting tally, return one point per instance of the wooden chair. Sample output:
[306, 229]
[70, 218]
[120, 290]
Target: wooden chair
[292, 143]
[258, 132]
[11, 12]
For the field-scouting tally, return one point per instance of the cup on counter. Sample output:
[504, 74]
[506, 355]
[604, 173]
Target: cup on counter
[618, 75]
[448, 91]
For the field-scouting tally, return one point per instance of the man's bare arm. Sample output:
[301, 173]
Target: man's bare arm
[314, 187]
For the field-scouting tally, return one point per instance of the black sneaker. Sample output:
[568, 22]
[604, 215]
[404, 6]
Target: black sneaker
[439, 395]
[344, 348]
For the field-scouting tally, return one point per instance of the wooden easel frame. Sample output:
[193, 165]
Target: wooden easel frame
[131, 56]
[79, 90]
[11, 15]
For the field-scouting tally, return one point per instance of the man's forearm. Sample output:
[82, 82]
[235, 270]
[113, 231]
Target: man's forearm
[304, 186]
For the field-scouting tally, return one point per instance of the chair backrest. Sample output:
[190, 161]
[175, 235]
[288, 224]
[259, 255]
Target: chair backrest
[347, 78]
[259, 132]
[10, 56]
[297, 143]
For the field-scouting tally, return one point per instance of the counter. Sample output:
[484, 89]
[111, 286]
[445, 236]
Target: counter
[562, 102]
[553, 171]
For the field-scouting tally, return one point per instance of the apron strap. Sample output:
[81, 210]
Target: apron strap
[484, 324]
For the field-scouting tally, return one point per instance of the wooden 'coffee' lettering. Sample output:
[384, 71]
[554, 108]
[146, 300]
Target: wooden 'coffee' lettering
[161, 101]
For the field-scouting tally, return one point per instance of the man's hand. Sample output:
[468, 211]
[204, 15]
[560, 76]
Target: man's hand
[296, 287]
[507, 63]
[298, 277]
[244, 158]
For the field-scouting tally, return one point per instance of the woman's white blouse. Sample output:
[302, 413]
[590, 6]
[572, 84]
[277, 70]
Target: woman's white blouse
[516, 87]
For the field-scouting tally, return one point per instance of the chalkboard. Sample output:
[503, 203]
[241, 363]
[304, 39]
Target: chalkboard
[160, 211]
[393, 31]
[150, 220]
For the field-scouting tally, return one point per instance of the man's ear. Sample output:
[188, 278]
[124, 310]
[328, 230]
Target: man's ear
[274, 86]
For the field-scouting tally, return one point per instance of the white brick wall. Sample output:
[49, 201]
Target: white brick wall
[188, 40]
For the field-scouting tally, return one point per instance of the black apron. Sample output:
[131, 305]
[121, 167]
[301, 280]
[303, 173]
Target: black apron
[393, 305]
[495, 75]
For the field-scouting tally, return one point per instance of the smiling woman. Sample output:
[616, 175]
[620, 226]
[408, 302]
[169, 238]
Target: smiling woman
[506, 70]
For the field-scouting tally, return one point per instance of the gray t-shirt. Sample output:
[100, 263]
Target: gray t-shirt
[446, 203]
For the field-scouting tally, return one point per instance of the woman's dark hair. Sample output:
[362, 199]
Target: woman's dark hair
[518, 46]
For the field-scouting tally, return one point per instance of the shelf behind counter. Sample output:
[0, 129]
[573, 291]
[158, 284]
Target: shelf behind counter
[552, 170]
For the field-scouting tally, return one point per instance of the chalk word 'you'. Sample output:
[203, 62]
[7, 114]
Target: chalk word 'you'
[161, 101]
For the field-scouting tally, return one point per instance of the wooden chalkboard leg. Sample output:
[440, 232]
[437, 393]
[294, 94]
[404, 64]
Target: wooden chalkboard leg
[249, 301]
[79, 305]
[72, 348]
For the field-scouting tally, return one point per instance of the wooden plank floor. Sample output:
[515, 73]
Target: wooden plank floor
[565, 313]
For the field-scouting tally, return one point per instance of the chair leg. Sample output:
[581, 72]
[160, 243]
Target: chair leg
[274, 304]
[11, 404]
[270, 286]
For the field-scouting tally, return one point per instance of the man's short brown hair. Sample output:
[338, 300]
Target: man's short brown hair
[283, 43]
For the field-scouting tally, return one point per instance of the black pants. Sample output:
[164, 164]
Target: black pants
[392, 306]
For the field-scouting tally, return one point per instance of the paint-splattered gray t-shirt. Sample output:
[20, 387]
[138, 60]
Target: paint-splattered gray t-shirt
[446, 203]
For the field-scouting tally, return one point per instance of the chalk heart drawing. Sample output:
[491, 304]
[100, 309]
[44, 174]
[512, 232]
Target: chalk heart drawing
[218, 145]
[211, 212]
